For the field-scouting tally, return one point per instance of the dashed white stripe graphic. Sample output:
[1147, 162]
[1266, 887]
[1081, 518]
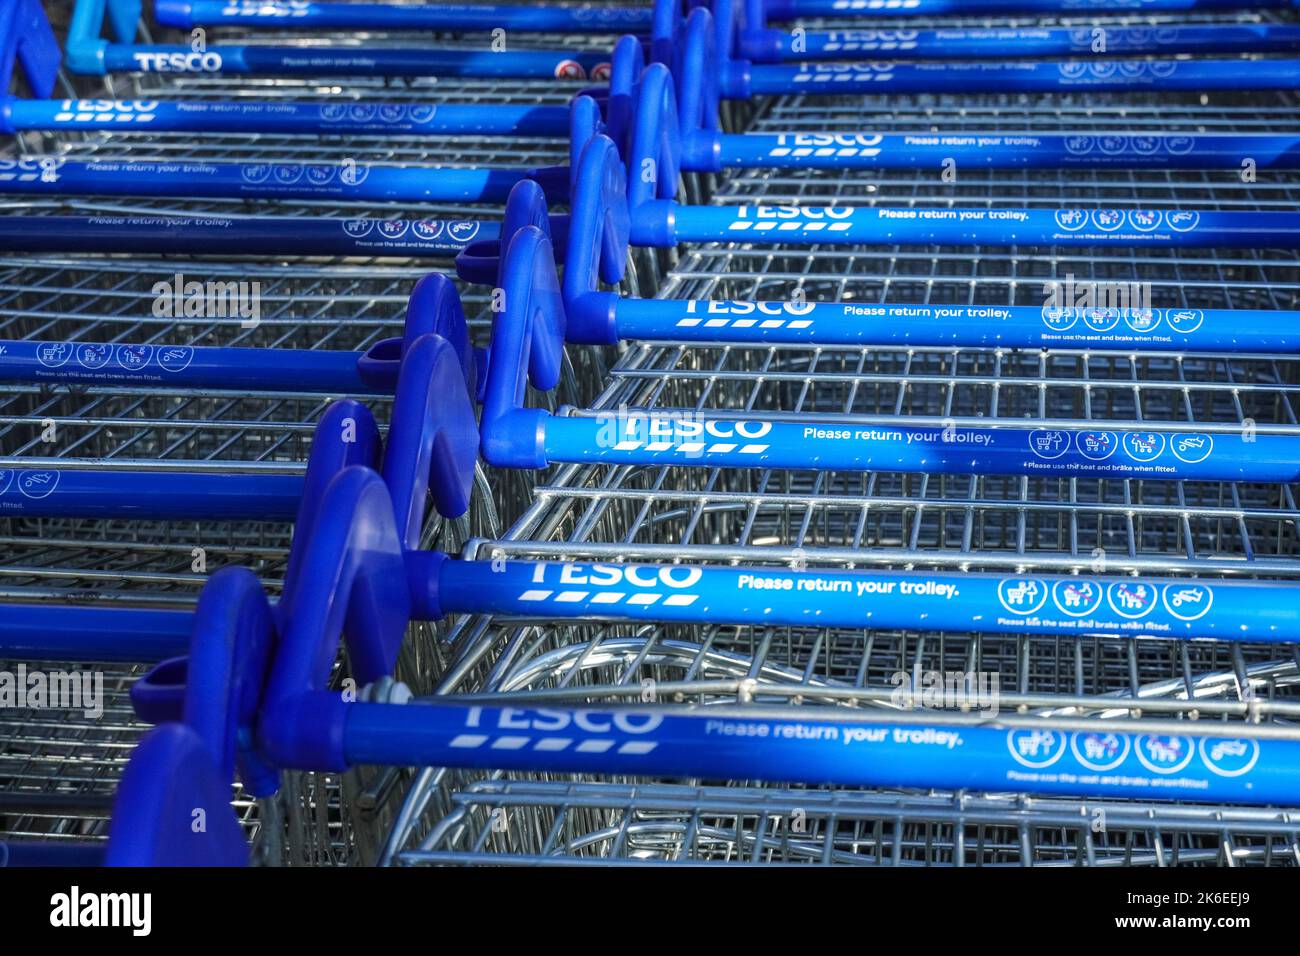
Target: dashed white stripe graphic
[596, 745]
[637, 598]
[745, 323]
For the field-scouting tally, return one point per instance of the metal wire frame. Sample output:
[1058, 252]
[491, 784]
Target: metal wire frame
[810, 519]
[57, 775]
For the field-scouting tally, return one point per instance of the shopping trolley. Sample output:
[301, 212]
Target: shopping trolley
[541, 722]
[1027, 527]
[349, 306]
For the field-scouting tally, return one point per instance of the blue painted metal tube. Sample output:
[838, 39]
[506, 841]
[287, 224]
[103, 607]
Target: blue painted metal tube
[580, 18]
[185, 366]
[350, 61]
[217, 235]
[1027, 76]
[793, 9]
[656, 222]
[346, 182]
[73, 493]
[974, 326]
[884, 600]
[681, 438]
[993, 150]
[331, 117]
[998, 42]
[826, 748]
[100, 633]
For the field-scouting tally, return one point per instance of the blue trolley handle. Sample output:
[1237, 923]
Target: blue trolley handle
[219, 235]
[303, 725]
[90, 54]
[794, 9]
[185, 14]
[343, 181]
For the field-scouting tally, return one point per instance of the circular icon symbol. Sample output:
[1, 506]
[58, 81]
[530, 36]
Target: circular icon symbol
[1107, 220]
[1077, 597]
[1073, 69]
[1144, 446]
[1138, 36]
[1102, 69]
[1144, 220]
[288, 175]
[1101, 320]
[333, 112]
[362, 112]
[6, 479]
[1163, 67]
[1036, 749]
[462, 231]
[1179, 145]
[1079, 145]
[53, 354]
[427, 230]
[1096, 446]
[1229, 756]
[37, 484]
[1022, 595]
[1188, 601]
[1049, 443]
[1185, 320]
[1058, 319]
[1146, 145]
[352, 174]
[93, 355]
[319, 175]
[570, 70]
[358, 228]
[134, 356]
[601, 72]
[1071, 220]
[1131, 599]
[393, 228]
[175, 358]
[1112, 145]
[1161, 754]
[392, 112]
[1100, 751]
[1182, 221]
[256, 173]
[1081, 37]
[1132, 69]
[1142, 321]
[1191, 447]
[422, 112]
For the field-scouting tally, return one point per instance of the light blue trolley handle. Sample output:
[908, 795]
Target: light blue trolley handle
[824, 748]
[663, 222]
[206, 116]
[681, 438]
[765, 46]
[704, 149]
[218, 235]
[343, 181]
[72, 493]
[341, 61]
[793, 9]
[970, 326]
[579, 18]
[186, 366]
[1029, 76]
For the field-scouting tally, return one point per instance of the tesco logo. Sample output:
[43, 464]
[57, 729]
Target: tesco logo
[619, 575]
[547, 721]
[208, 62]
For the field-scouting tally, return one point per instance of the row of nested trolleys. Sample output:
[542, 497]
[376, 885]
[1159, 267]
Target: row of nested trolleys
[58, 770]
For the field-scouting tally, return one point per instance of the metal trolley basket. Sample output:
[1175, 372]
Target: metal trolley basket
[59, 770]
[1202, 531]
